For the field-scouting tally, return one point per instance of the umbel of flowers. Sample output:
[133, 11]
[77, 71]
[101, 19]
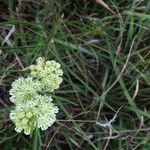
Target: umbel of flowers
[33, 109]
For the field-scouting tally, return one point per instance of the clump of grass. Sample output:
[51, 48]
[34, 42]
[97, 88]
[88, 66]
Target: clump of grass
[105, 58]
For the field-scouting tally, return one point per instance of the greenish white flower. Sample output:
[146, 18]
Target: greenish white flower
[38, 112]
[48, 73]
[33, 110]
[23, 89]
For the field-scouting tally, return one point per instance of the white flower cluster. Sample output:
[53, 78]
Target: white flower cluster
[39, 112]
[48, 73]
[23, 89]
[31, 108]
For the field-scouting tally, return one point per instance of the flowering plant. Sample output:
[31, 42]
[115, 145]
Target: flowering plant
[33, 109]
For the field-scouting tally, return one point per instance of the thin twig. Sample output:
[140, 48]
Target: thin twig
[110, 135]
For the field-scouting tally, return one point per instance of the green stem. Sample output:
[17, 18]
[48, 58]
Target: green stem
[37, 139]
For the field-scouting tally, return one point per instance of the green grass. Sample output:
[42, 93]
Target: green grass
[105, 57]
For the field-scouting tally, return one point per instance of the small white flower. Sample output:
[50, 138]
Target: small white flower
[48, 73]
[41, 113]
[24, 89]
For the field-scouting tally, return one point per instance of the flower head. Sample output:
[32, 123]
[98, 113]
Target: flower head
[40, 112]
[33, 109]
[48, 73]
[23, 89]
